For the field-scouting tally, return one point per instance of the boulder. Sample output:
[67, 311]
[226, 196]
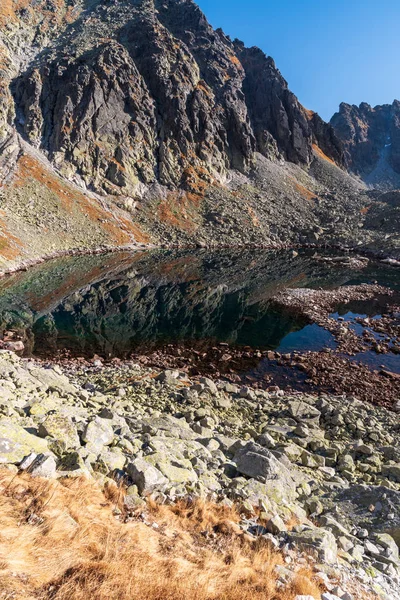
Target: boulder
[259, 463]
[175, 470]
[320, 540]
[387, 542]
[44, 465]
[168, 426]
[98, 433]
[16, 443]
[392, 471]
[147, 478]
[276, 525]
[60, 428]
[209, 385]
[303, 412]
[168, 377]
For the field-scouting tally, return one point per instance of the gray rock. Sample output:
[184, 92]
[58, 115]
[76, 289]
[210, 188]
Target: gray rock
[43, 466]
[61, 429]
[17, 346]
[392, 471]
[16, 443]
[317, 539]
[301, 411]
[147, 478]
[98, 433]
[255, 461]
[169, 377]
[386, 541]
[169, 426]
[209, 385]
[276, 525]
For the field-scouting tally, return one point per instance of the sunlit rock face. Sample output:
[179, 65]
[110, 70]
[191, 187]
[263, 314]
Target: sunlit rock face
[371, 140]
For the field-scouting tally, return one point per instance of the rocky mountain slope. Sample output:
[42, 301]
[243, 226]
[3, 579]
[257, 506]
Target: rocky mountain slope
[125, 121]
[317, 479]
[371, 141]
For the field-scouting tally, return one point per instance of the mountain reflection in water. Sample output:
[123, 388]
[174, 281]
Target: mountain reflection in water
[113, 304]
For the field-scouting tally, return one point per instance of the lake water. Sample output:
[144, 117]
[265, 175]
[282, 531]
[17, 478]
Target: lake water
[116, 303]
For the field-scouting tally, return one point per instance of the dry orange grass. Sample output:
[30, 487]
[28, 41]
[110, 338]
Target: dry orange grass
[60, 540]
[321, 154]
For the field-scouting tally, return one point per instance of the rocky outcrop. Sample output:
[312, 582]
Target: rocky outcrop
[139, 92]
[281, 124]
[371, 140]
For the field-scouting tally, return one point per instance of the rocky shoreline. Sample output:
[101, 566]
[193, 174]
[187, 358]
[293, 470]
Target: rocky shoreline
[361, 256]
[314, 474]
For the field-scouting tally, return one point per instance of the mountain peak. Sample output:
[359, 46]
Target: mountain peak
[371, 139]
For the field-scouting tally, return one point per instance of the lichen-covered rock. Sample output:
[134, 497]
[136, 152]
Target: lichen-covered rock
[255, 461]
[175, 470]
[16, 443]
[61, 429]
[320, 540]
[168, 426]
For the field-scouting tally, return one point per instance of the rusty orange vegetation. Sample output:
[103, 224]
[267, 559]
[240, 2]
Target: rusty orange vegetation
[180, 210]
[321, 154]
[365, 210]
[196, 179]
[60, 540]
[120, 229]
[305, 192]
[234, 60]
[10, 245]
[7, 12]
[253, 216]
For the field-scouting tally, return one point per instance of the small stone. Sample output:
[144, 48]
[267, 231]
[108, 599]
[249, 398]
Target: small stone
[362, 534]
[17, 346]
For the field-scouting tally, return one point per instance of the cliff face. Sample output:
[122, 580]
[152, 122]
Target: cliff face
[134, 121]
[371, 141]
[137, 91]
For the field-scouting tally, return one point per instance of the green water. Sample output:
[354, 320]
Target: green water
[113, 304]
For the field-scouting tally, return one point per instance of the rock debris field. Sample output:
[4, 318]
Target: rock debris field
[317, 476]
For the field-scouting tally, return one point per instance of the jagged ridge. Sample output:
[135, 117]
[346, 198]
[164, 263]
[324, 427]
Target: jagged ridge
[140, 91]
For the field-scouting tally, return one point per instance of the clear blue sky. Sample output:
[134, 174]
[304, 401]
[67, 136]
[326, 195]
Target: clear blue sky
[329, 52]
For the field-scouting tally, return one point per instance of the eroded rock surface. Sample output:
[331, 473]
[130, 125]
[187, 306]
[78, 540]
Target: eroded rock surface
[371, 141]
